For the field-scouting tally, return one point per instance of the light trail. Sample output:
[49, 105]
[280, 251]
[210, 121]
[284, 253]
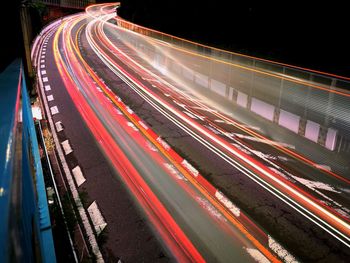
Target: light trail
[180, 246]
[285, 150]
[208, 191]
[340, 228]
[96, 111]
[278, 146]
[130, 26]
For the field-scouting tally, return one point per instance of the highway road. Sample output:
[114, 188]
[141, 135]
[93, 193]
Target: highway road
[177, 153]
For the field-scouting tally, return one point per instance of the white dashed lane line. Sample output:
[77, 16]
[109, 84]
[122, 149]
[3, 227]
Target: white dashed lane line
[78, 175]
[59, 126]
[96, 217]
[50, 98]
[66, 147]
[45, 79]
[54, 110]
[43, 72]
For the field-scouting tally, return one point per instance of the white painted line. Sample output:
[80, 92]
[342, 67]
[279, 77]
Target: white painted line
[190, 168]
[194, 115]
[151, 146]
[219, 121]
[59, 126]
[190, 115]
[257, 255]
[163, 143]
[44, 52]
[175, 172]
[323, 166]
[266, 141]
[54, 110]
[42, 56]
[130, 124]
[280, 251]
[97, 218]
[42, 66]
[205, 203]
[43, 72]
[129, 110]
[45, 79]
[86, 223]
[316, 185]
[47, 87]
[203, 109]
[78, 176]
[50, 98]
[42, 61]
[66, 147]
[227, 203]
[143, 125]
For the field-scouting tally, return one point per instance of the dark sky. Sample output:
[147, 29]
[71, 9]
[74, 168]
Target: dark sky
[309, 35]
[304, 34]
[10, 33]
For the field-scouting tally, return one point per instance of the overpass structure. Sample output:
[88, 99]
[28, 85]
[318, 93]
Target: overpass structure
[309, 103]
[25, 225]
[227, 155]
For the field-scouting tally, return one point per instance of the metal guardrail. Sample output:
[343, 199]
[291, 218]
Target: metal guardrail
[25, 227]
[309, 103]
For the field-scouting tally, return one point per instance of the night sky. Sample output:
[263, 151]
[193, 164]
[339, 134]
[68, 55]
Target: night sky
[301, 34]
[10, 33]
[313, 36]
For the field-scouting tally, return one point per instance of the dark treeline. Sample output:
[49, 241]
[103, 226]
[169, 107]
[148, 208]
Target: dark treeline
[308, 35]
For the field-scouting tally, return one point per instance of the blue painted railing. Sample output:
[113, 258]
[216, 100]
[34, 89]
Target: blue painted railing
[25, 227]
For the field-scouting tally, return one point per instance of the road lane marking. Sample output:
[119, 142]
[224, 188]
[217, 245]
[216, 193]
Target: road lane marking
[281, 251]
[190, 168]
[47, 87]
[50, 98]
[257, 255]
[54, 110]
[227, 203]
[97, 218]
[78, 175]
[59, 126]
[66, 147]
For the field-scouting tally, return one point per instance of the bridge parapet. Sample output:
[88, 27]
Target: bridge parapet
[25, 226]
[309, 103]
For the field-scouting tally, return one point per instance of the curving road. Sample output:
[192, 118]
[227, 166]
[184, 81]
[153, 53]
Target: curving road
[177, 154]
